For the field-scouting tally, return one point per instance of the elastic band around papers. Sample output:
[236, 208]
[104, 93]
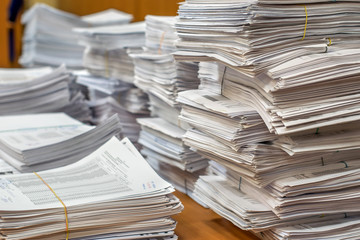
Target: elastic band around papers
[222, 80]
[161, 41]
[346, 166]
[65, 209]
[240, 182]
[329, 44]
[306, 19]
[322, 161]
[317, 131]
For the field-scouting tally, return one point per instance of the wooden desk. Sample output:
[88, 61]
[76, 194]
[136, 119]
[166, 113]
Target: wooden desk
[198, 223]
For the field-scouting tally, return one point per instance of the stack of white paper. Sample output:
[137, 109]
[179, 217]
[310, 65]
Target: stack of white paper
[162, 141]
[40, 90]
[155, 68]
[296, 64]
[110, 194]
[157, 73]
[111, 85]
[111, 96]
[43, 141]
[255, 35]
[48, 37]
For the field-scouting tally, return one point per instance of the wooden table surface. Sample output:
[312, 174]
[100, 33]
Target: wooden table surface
[198, 223]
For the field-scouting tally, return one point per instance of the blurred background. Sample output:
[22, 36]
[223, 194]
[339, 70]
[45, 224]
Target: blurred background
[9, 21]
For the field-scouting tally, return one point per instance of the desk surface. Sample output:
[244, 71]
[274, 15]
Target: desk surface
[198, 223]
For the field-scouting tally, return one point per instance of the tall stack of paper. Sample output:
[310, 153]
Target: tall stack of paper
[41, 90]
[48, 37]
[111, 88]
[292, 67]
[110, 194]
[157, 73]
[43, 141]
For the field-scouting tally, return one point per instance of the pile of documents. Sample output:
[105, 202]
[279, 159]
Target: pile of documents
[107, 49]
[157, 73]
[155, 68]
[43, 141]
[110, 96]
[110, 84]
[275, 57]
[40, 90]
[48, 37]
[277, 114]
[110, 194]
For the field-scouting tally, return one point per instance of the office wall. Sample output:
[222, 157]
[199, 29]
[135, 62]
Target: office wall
[139, 8]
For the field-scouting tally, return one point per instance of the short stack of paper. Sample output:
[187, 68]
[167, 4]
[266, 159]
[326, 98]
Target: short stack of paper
[110, 194]
[43, 141]
[293, 65]
[41, 90]
[48, 37]
[111, 96]
[111, 84]
[155, 68]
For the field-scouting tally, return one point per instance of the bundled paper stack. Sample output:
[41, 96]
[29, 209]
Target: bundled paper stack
[111, 84]
[48, 37]
[44, 141]
[296, 65]
[41, 90]
[110, 194]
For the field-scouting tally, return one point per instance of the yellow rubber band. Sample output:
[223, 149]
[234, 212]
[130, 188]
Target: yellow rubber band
[65, 209]
[161, 42]
[306, 20]
[329, 44]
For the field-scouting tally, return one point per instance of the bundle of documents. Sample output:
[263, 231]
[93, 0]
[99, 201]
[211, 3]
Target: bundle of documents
[156, 71]
[258, 34]
[162, 141]
[44, 141]
[111, 96]
[303, 94]
[48, 37]
[276, 55]
[40, 90]
[110, 194]
[107, 49]
[230, 122]
[163, 148]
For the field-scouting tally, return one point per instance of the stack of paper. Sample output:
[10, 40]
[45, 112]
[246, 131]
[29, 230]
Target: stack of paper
[162, 141]
[40, 90]
[275, 57]
[157, 73]
[110, 194]
[295, 64]
[111, 85]
[254, 34]
[48, 37]
[111, 96]
[43, 141]
[155, 68]
[230, 122]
